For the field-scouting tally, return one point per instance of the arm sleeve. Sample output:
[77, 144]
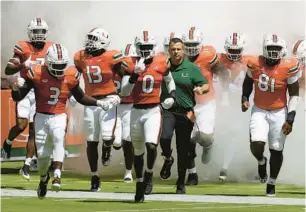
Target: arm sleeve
[127, 85]
[169, 82]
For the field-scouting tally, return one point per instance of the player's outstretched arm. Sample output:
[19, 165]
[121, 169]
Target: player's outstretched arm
[223, 74]
[19, 91]
[170, 84]
[247, 89]
[128, 83]
[81, 98]
[293, 90]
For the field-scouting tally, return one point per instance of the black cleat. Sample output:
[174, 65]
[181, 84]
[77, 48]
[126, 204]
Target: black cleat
[6, 150]
[95, 183]
[270, 192]
[262, 172]
[139, 196]
[106, 155]
[25, 172]
[42, 187]
[180, 189]
[223, 175]
[148, 185]
[165, 172]
[192, 179]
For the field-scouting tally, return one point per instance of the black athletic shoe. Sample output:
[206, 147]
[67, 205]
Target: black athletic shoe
[165, 172]
[270, 192]
[148, 185]
[42, 187]
[139, 196]
[95, 183]
[192, 179]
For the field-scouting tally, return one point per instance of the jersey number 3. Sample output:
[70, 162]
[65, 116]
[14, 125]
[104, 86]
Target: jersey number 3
[54, 97]
[94, 74]
[264, 82]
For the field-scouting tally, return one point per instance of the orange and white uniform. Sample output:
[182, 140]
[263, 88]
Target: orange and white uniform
[51, 95]
[24, 49]
[270, 99]
[99, 83]
[205, 109]
[146, 116]
[123, 130]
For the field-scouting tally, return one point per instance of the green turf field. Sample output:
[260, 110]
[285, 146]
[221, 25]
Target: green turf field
[76, 183]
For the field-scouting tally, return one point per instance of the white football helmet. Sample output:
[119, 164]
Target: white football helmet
[234, 46]
[37, 30]
[97, 39]
[130, 51]
[274, 47]
[193, 41]
[57, 60]
[167, 41]
[145, 45]
[299, 51]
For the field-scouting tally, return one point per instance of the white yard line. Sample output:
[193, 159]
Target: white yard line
[190, 208]
[159, 197]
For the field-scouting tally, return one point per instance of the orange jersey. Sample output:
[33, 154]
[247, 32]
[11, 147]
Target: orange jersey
[24, 49]
[51, 93]
[147, 88]
[271, 82]
[206, 59]
[237, 70]
[97, 71]
[117, 80]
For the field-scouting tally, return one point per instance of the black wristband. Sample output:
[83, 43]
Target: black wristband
[173, 94]
[244, 99]
[290, 117]
[133, 78]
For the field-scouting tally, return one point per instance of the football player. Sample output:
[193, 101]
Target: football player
[271, 119]
[52, 84]
[122, 132]
[235, 62]
[26, 54]
[98, 65]
[147, 72]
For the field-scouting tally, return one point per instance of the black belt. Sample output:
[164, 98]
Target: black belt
[180, 110]
[145, 106]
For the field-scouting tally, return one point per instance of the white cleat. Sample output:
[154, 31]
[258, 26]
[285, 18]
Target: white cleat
[128, 178]
[223, 175]
[56, 184]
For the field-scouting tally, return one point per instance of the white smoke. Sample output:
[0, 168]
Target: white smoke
[69, 22]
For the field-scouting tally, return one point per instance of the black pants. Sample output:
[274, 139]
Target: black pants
[183, 128]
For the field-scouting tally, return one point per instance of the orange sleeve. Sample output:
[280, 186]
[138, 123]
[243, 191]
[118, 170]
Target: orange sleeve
[128, 65]
[293, 67]
[77, 60]
[22, 51]
[210, 54]
[117, 57]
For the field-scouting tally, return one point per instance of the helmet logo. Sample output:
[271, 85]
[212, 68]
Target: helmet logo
[38, 21]
[275, 39]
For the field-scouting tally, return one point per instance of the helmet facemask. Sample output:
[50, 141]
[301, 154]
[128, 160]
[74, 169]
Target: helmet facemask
[57, 69]
[192, 48]
[93, 44]
[234, 54]
[273, 52]
[146, 51]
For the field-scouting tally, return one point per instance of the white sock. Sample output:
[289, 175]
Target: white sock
[57, 173]
[192, 171]
[95, 173]
[9, 142]
[262, 162]
[28, 161]
[271, 181]
[128, 172]
[139, 179]
[149, 170]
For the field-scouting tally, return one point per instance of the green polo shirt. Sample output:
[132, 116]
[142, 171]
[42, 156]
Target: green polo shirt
[186, 76]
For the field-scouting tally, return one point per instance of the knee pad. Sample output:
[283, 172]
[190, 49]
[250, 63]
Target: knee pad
[151, 146]
[108, 141]
[205, 140]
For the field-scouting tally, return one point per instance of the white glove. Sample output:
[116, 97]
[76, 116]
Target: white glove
[20, 82]
[109, 102]
[30, 63]
[225, 99]
[72, 101]
[167, 103]
[140, 66]
[103, 104]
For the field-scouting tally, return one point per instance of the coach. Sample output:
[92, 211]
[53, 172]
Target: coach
[180, 117]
